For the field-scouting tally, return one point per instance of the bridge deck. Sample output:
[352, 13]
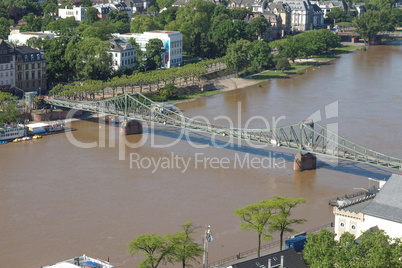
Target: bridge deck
[304, 137]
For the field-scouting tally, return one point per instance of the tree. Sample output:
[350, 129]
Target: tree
[375, 249]
[185, 250]
[281, 222]
[144, 23]
[258, 26]
[64, 27]
[336, 15]
[368, 24]
[16, 13]
[283, 64]
[89, 59]
[92, 15]
[237, 56]
[154, 53]
[156, 249]
[320, 249]
[256, 217]
[4, 28]
[8, 108]
[261, 54]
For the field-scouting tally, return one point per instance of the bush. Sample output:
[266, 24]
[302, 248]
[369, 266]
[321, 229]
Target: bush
[283, 64]
[169, 92]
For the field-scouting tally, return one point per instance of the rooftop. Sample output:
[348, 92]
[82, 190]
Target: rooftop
[388, 202]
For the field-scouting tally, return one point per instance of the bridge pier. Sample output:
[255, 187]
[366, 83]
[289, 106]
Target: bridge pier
[305, 162]
[131, 127]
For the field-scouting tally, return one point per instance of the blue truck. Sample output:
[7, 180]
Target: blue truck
[297, 243]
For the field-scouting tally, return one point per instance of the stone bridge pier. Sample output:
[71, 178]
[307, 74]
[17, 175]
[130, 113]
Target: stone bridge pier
[129, 127]
[306, 161]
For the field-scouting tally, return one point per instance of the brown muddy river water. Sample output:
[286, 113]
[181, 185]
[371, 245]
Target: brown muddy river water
[58, 200]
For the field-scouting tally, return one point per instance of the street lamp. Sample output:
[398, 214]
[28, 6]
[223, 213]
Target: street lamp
[207, 239]
[221, 253]
[40, 91]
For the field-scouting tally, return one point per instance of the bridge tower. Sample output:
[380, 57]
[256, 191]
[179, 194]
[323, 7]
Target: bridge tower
[305, 161]
[130, 126]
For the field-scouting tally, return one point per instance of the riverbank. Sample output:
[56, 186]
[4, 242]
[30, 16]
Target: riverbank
[231, 83]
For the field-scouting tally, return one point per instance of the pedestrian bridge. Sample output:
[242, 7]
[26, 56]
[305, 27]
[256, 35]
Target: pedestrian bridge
[304, 137]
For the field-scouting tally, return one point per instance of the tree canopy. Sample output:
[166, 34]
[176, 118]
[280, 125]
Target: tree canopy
[374, 249]
[268, 216]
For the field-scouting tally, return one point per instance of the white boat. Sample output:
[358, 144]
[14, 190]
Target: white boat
[12, 132]
[81, 262]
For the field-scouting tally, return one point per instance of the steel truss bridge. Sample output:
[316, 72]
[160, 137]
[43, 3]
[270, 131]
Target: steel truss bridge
[304, 137]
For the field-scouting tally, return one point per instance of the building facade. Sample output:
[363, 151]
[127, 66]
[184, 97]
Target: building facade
[7, 66]
[381, 211]
[30, 69]
[77, 12]
[123, 54]
[172, 44]
[302, 14]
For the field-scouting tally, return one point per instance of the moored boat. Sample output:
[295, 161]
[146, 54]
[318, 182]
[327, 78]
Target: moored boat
[8, 133]
[82, 261]
[35, 137]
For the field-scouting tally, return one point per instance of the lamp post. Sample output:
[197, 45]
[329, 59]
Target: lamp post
[207, 239]
[40, 91]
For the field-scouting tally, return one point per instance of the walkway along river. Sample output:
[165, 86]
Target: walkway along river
[58, 200]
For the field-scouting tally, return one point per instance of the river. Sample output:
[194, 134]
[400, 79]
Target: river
[58, 200]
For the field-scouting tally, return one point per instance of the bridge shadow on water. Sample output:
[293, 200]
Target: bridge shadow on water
[324, 162]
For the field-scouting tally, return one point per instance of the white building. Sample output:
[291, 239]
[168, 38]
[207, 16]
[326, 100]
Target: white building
[172, 43]
[21, 38]
[123, 54]
[383, 210]
[77, 12]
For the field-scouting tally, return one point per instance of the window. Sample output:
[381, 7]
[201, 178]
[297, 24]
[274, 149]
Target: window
[26, 57]
[33, 65]
[1, 67]
[6, 74]
[353, 227]
[32, 57]
[6, 66]
[342, 224]
[1, 75]
[38, 57]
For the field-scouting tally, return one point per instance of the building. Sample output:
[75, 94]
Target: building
[21, 38]
[302, 13]
[30, 69]
[172, 43]
[77, 12]
[123, 54]
[382, 211]
[285, 258]
[7, 66]
[241, 3]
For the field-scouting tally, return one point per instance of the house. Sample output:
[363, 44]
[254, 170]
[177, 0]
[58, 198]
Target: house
[172, 43]
[327, 6]
[382, 210]
[77, 12]
[241, 3]
[7, 66]
[285, 12]
[302, 14]
[123, 54]
[30, 69]
[285, 258]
